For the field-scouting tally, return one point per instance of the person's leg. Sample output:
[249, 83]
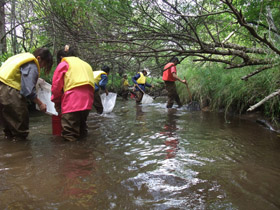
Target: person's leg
[139, 96]
[70, 123]
[98, 103]
[83, 124]
[125, 94]
[169, 86]
[14, 113]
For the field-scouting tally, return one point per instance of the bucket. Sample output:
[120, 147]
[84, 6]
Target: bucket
[56, 125]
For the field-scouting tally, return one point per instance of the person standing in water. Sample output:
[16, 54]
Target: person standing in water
[140, 83]
[170, 77]
[72, 93]
[100, 80]
[18, 78]
[125, 87]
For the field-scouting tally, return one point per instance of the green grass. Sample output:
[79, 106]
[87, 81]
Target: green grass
[221, 88]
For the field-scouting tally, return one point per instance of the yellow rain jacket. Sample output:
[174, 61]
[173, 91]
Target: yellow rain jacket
[142, 79]
[78, 74]
[10, 70]
[97, 76]
[125, 83]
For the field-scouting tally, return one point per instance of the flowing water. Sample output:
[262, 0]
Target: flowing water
[144, 157]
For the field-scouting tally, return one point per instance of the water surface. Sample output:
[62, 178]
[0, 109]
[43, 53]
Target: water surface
[144, 157]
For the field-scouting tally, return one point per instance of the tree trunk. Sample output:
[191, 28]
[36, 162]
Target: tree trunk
[3, 45]
[13, 24]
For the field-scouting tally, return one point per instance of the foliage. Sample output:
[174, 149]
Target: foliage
[24, 31]
[240, 37]
[219, 88]
[4, 57]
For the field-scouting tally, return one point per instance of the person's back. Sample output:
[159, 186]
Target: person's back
[73, 93]
[170, 77]
[100, 80]
[18, 76]
[73, 82]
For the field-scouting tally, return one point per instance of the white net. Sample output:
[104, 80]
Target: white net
[43, 90]
[108, 102]
[147, 99]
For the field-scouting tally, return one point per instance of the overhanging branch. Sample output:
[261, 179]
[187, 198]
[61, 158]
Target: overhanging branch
[277, 92]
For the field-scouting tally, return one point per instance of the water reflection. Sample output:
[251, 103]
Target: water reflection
[141, 120]
[169, 131]
[139, 113]
[78, 168]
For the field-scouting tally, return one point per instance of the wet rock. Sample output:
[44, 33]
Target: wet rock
[193, 106]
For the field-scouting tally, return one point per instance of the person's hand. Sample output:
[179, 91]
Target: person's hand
[43, 107]
[153, 86]
[184, 81]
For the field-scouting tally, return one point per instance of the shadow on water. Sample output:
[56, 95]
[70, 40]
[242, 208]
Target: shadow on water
[144, 157]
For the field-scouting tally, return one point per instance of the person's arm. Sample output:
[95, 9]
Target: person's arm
[177, 78]
[174, 74]
[148, 85]
[41, 105]
[29, 77]
[103, 82]
[135, 78]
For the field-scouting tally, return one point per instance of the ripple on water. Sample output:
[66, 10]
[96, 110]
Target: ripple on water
[167, 185]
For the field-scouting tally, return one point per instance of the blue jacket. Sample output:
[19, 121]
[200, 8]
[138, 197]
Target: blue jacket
[142, 86]
[102, 83]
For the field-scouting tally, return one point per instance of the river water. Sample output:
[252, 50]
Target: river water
[144, 157]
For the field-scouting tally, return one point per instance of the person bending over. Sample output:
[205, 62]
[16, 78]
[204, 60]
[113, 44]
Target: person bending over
[18, 78]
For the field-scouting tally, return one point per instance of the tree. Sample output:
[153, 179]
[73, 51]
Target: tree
[19, 28]
[3, 47]
[236, 33]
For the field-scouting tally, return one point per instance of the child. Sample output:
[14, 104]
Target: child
[100, 80]
[18, 78]
[72, 93]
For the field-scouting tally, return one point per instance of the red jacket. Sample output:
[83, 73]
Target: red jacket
[167, 73]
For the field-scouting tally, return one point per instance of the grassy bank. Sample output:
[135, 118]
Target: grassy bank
[220, 88]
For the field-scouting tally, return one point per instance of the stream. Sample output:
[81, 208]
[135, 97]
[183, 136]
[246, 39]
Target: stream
[144, 157]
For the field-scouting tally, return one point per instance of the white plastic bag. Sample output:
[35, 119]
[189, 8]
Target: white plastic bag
[146, 99]
[43, 90]
[108, 102]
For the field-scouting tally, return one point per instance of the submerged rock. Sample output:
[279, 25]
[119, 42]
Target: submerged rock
[193, 106]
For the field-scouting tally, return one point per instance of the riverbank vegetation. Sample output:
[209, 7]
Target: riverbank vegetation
[218, 88]
[229, 49]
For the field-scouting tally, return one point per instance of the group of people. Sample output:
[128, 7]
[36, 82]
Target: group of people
[169, 77]
[75, 89]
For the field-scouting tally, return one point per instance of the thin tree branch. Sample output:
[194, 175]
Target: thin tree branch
[277, 92]
[258, 71]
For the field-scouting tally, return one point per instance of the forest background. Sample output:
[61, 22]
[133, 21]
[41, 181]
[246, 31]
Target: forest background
[229, 49]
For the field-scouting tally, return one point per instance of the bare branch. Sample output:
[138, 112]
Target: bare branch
[277, 92]
[258, 71]
[241, 20]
